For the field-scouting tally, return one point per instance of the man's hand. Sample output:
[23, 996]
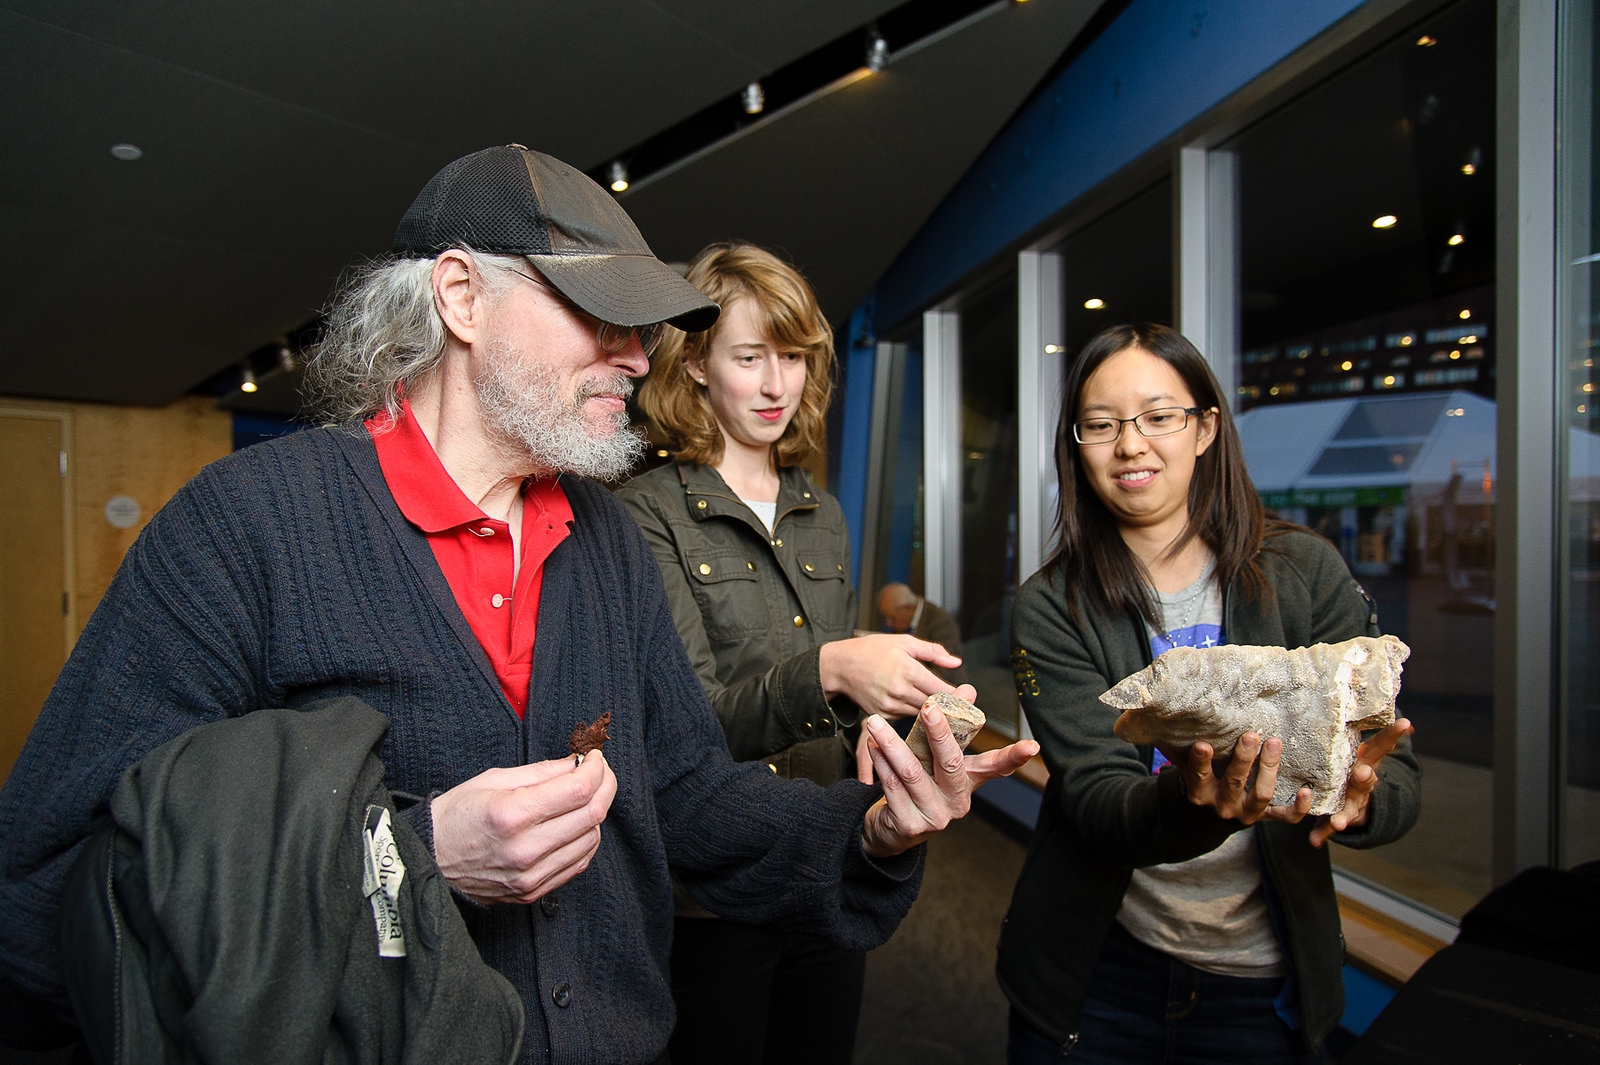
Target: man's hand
[884, 673]
[1230, 792]
[917, 804]
[1363, 781]
[513, 835]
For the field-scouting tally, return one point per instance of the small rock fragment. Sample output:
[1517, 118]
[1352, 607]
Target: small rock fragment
[965, 722]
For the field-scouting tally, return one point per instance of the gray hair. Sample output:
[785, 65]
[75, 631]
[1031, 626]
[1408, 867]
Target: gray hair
[384, 336]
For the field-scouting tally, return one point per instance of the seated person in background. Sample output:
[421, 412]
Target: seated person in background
[756, 561]
[905, 611]
[437, 551]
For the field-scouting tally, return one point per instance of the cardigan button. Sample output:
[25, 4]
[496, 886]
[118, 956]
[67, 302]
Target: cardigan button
[561, 995]
[549, 905]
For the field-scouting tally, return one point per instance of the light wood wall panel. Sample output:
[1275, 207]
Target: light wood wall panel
[143, 453]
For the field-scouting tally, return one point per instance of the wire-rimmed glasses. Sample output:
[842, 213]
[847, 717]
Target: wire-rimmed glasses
[1161, 421]
[611, 337]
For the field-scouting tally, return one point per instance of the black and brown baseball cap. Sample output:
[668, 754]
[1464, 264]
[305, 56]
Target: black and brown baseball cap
[515, 201]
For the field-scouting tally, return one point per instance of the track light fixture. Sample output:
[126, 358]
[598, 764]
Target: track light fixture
[877, 51]
[753, 99]
[247, 379]
[619, 176]
[286, 361]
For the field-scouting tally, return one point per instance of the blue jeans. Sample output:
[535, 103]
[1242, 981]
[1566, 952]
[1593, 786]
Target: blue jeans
[1146, 1008]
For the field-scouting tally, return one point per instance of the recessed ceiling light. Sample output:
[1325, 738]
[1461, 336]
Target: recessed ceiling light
[126, 152]
[1468, 169]
[1384, 221]
[1426, 41]
[247, 380]
[877, 52]
[1455, 238]
[1465, 314]
[1094, 303]
[619, 176]
[1347, 366]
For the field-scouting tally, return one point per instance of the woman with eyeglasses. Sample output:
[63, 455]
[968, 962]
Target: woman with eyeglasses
[756, 561]
[1168, 912]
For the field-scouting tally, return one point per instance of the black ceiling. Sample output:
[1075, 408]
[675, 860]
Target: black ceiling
[282, 142]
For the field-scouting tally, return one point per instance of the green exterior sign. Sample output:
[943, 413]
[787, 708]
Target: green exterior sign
[1388, 496]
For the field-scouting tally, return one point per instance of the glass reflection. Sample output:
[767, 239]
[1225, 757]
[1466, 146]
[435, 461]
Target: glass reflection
[1366, 382]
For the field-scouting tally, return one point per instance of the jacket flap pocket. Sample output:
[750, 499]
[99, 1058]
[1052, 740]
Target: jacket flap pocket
[820, 568]
[714, 569]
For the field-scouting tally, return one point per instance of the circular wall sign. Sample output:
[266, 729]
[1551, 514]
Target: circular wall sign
[123, 511]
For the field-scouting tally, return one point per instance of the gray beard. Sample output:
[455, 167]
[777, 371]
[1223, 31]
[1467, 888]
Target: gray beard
[521, 399]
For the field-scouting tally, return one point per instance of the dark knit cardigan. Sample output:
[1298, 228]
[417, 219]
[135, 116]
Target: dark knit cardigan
[285, 573]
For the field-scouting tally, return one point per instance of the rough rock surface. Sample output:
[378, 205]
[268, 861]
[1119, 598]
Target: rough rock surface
[1317, 699]
[965, 721]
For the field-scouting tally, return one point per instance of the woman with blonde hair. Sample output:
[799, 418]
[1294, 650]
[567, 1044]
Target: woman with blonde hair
[756, 561]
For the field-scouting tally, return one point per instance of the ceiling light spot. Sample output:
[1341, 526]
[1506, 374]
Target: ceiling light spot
[753, 98]
[1094, 303]
[1427, 41]
[1465, 314]
[247, 380]
[877, 51]
[1468, 169]
[1455, 354]
[1384, 221]
[1456, 238]
[619, 176]
[126, 152]
[1051, 349]
[1347, 365]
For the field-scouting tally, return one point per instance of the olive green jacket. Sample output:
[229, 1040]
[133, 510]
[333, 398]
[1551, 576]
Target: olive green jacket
[754, 609]
[1104, 814]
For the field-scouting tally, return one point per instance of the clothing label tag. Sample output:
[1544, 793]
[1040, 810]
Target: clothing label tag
[380, 882]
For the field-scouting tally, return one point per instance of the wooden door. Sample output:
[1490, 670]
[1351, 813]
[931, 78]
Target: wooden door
[35, 568]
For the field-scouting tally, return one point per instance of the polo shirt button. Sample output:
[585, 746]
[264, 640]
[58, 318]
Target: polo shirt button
[497, 600]
[799, 621]
[488, 530]
[549, 905]
[561, 995]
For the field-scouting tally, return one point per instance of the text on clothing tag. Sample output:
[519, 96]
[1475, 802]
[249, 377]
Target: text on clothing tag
[380, 882]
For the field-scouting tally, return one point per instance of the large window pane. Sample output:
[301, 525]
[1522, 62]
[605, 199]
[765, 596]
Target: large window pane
[1579, 211]
[1118, 269]
[1366, 381]
[988, 488]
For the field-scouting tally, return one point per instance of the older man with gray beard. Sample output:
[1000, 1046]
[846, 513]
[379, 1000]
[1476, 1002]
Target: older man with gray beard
[439, 551]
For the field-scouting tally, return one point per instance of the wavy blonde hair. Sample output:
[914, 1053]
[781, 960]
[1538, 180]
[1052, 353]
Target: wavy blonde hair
[787, 314]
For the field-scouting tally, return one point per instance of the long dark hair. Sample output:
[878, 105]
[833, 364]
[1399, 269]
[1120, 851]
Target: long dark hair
[1225, 512]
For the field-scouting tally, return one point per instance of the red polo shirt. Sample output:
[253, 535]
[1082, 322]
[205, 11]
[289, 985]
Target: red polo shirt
[500, 602]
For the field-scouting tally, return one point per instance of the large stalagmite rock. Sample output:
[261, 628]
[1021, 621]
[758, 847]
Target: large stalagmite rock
[1317, 699]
